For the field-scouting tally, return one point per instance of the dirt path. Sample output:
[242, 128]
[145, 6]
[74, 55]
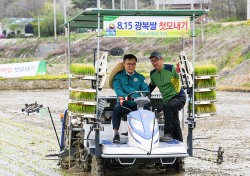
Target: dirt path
[25, 140]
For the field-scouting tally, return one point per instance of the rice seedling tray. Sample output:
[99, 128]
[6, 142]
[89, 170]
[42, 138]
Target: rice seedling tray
[82, 115]
[84, 77]
[82, 89]
[204, 115]
[204, 89]
[83, 102]
[205, 76]
[205, 102]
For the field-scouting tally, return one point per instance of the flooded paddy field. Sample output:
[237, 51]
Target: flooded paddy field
[25, 140]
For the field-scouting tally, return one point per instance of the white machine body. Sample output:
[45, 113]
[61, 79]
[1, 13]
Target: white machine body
[143, 130]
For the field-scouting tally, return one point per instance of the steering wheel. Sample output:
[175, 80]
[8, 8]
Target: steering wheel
[142, 94]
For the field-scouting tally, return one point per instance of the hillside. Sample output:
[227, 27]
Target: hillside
[227, 45]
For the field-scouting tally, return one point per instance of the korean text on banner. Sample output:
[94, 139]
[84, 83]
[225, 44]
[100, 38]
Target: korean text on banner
[23, 69]
[146, 26]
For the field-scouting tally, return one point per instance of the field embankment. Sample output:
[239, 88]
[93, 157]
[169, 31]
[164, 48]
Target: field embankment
[226, 45]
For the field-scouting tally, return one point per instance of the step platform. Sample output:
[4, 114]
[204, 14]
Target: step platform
[173, 149]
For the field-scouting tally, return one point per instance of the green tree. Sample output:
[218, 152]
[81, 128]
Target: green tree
[19, 8]
[83, 4]
[229, 9]
[47, 21]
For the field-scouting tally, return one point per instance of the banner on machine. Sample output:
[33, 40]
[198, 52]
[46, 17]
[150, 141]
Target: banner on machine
[23, 69]
[146, 26]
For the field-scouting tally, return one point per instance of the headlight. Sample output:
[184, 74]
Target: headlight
[137, 124]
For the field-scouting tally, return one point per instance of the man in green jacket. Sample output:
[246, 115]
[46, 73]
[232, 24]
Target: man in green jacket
[165, 77]
[125, 82]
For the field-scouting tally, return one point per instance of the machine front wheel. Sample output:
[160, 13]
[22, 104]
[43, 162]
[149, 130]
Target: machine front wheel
[179, 165]
[97, 167]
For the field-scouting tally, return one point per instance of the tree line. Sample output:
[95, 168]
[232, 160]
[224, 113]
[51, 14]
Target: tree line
[43, 10]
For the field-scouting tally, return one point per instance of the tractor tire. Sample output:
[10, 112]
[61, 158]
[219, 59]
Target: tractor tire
[97, 168]
[179, 165]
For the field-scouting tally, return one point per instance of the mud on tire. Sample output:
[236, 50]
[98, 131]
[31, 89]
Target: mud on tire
[97, 166]
[179, 165]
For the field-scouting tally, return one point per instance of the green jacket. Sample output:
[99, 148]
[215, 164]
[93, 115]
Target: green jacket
[168, 82]
[124, 84]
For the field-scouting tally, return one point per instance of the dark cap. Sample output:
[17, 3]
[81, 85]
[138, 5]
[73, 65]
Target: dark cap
[155, 54]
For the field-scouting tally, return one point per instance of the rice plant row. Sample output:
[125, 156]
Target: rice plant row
[205, 83]
[203, 109]
[83, 96]
[205, 70]
[82, 69]
[82, 109]
[199, 96]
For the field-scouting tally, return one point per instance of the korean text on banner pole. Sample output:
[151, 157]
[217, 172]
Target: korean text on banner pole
[146, 26]
[23, 69]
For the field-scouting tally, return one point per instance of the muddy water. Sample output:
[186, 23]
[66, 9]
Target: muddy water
[25, 140]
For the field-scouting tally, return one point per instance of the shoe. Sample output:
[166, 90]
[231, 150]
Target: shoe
[116, 138]
[166, 138]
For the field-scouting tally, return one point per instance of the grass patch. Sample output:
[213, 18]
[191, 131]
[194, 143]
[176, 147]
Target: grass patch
[213, 28]
[233, 88]
[82, 36]
[170, 40]
[138, 40]
[145, 74]
[246, 84]
[144, 68]
[45, 77]
[247, 56]
[18, 60]
[232, 59]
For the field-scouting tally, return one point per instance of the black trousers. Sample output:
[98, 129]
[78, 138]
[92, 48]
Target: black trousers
[120, 111]
[171, 113]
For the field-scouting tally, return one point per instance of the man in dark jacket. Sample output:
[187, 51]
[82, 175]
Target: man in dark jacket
[125, 82]
[165, 77]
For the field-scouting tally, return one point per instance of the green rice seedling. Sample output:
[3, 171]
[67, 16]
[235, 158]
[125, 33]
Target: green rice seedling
[80, 108]
[73, 95]
[203, 109]
[71, 107]
[205, 70]
[199, 83]
[205, 83]
[75, 107]
[92, 96]
[199, 96]
[88, 109]
[83, 96]
[82, 69]
[88, 96]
